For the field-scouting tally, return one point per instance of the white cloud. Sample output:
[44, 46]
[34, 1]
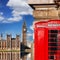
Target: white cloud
[1, 16]
[15, 19]
[29, 34]
[16, 3]
[32, 27]
[20, 7]
[9, 20]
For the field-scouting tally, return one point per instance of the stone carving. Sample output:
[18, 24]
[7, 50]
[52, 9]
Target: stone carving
[52, 14]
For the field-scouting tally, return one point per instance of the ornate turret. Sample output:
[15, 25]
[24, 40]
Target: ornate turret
[17, 42]
[1, 36]
[9, 41]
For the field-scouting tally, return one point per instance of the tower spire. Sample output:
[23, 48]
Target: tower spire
[24, 30]
[24, 23]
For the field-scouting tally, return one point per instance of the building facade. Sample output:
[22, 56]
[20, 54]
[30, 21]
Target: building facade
[10, 48]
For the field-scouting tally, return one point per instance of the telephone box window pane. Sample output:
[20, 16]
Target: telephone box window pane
[53, 31]
[52, 40]
[52, 48]
[52, 35]
[52, 43]
[51, 57]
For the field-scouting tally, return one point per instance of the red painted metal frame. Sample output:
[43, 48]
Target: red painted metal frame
[41, 38]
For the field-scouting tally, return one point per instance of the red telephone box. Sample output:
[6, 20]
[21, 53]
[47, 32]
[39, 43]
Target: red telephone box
[47, 40]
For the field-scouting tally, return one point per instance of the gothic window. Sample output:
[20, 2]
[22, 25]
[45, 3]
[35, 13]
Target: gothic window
[8, 44]
[13, 56]
[18, 44]
[8, 56]
[2, 55]
[13, 44]
[5, 55]
[18, 56]
[0, 44]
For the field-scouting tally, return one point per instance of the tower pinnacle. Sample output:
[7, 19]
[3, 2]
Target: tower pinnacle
[24, 30]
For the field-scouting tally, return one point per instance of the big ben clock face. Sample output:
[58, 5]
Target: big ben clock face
[24, 29]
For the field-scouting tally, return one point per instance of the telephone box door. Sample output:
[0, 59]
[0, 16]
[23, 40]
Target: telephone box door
[41, 44]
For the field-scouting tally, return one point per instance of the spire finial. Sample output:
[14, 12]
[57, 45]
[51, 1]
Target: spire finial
[1, 36]
[24, 23]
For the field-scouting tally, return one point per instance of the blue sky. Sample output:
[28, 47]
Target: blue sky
[12, 15]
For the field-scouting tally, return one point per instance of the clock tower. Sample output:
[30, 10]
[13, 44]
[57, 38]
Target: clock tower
[24, 30]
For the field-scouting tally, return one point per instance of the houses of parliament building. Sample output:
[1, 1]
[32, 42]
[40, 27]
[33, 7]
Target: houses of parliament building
[10, 48]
